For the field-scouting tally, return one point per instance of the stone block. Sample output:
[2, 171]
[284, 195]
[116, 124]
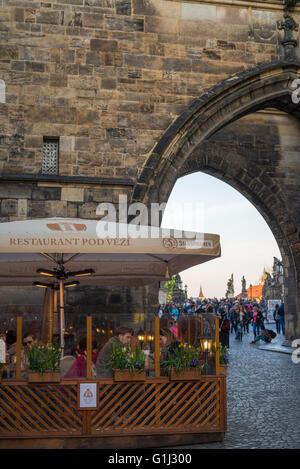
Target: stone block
[98, 195]
[66, 143]
[72, 210]
[55, 208]
[33, 141]
[72, 194]
[15, 190]
[22, 208]
[157, 8]
[9, 207]
[123, 7]
[192, 11]
[86, 116]
[88, 210]
[82, 144]
[17, 65]
[93, 59]
[40, 192]
[48, 17]
[93, 20]
[8, 52]
[108, 83]
[34, 67]
[103, 45]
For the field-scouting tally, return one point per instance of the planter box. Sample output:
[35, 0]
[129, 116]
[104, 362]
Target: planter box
[185, 375]
[223, 369]
[47, 377]
[127, 375]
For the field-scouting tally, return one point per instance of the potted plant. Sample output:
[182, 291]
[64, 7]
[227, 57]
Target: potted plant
[43, 363]
[223, 359]
[128, 362]
[184, 363]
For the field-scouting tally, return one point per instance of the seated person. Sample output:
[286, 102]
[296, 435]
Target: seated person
[78, 368]
[266, 335]
[168, 343]
[174, 328]
[28, 340]
[122, 335]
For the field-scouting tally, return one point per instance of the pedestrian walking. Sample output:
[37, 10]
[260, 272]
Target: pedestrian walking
[246, 319]
[256, 321]
[240, 325]
[224, 329]
[234, 318]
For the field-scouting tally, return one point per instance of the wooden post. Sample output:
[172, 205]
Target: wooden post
[156, 346]
[62, 316]
[189, 330]
[55, 314]
[145, 333]
[19, 347]
[217, 345]
[157, 366]
[50, 312]
[201, 326]
[89, 347]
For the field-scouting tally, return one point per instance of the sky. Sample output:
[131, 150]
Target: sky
[203, 203]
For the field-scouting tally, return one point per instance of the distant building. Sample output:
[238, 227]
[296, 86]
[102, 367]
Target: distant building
[201, 296]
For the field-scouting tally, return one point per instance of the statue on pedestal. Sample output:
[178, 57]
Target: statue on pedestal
[244, 289]
[230, 288]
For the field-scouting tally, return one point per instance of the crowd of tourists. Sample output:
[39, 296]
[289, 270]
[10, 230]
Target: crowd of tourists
[237, 316]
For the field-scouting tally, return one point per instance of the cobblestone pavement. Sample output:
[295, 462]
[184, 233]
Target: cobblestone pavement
[263, 399]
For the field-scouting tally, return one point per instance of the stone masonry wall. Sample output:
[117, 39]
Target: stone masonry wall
[107, 77]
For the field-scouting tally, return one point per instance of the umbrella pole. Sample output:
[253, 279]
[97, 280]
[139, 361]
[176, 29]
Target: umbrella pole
[62, 316]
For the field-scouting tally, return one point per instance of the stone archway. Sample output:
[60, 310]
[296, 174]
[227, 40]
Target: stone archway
[269, 85]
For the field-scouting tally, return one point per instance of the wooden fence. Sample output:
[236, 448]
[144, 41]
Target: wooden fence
[156, 406]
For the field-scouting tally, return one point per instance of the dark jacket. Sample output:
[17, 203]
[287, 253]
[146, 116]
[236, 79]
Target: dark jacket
[281, 311]
[103, 370]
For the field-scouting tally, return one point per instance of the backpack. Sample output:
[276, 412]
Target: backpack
[225, 326]
[271, 333]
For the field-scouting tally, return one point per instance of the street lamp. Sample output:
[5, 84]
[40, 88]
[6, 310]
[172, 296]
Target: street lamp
[206, 344]
[141, 337]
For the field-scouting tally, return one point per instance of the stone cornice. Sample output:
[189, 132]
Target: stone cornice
[40, 179]
[257, 5]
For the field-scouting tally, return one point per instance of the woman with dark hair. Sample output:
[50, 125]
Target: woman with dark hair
[168, 343]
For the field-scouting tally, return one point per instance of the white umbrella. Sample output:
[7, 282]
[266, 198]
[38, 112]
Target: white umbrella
[118, 254]
[26, 246]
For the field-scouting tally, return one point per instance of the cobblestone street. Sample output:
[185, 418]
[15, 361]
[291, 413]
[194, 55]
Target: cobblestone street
[263, 399]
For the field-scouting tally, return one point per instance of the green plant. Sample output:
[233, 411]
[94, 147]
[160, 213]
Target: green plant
[183, 357]
[43, 358]
[127, 357]
[223, 355]
[170, 287]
